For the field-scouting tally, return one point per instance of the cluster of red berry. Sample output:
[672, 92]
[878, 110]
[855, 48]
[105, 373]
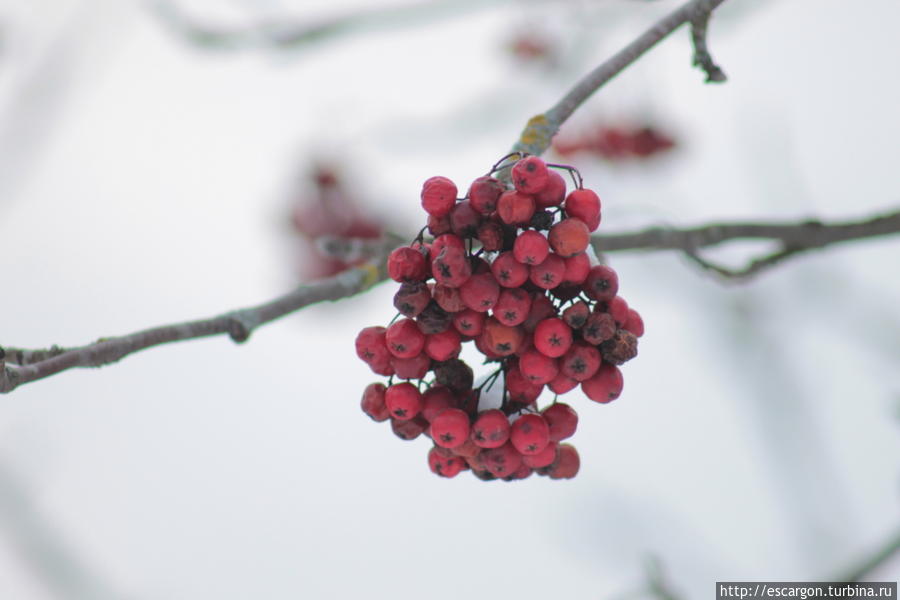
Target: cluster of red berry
[509, 270]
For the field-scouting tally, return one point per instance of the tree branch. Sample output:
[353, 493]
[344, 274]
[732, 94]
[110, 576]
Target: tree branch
[702, 57]
[879, 557]
[539, 131]
[793, 237]
[19, 366]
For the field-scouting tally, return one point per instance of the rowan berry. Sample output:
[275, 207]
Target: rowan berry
[438, 225]
[409, 429]
[580, 362]
[450, 428]
[605, 386]
[464, 220]
[577, 315]
[530, 175]
[501, 461]
[438, 196]
[541, 308]
[490, 234]
[621, 348]
[509, 272]
[403, 400]
[469, 323]
[537, 367]
[523, 472]
[435, 399]
[467, 449]
[411, 368]
[443, 346]
[553, 193]
[371, 345]
[567, 463]
[598, 328]
[502, 339]
[444, 466]
[549, 273]
[407, 264]
[448, 240]
[490, 429]
[451, 267]
[404, 340]
[521, 390]
[552, 337]
[455, 374]
[512, 306]
[484, 193]
[602, 283]
[562, 419]
[634, 323]
[618, 308]
[412, 298]
[569, 237]
[544, 458]
[372, 402]
[515, 208]
[447, 298]
[529, 434]
[562, 384]
[433, 319]
[480, 292]
[584, 204]
[531, 248]
[577, 269]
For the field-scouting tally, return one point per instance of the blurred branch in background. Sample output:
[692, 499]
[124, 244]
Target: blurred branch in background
[286, 34]
[880, 557]
[59, 568]
[793, 239]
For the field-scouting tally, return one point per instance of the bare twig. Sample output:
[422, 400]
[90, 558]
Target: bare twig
[539, 131]
[793, 237]
[238, 324]
[702, 57]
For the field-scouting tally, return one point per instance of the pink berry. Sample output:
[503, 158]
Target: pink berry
[372, 402]
[549, 273]
[552, 337]
[530, 248]
[491, 429]
[634, 323]
[444, 466]
[404, 340]
[403, 400]
[450, 428]
[562, 419]
[530, 175]
[605, 386]
[438, 196]
[529, 434]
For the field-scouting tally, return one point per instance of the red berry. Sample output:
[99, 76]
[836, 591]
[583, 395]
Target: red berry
[407, 264]
[598, 328]
[584, 204]
[480, 292]
[567, 463]
[521, 390]
[411, 368]
[634, 323]
[443, 346]
[569, 237]
[433, 319]
[371, 347]
[438, 196]
[404, 340]
[531, 248]
[562, 384]
[544, 458]
[403, 400]
[412, 298]
[450, 428]
[509, 272]
[447, 298]
[464, 220]
[438, 225]
[530, 175]
[443, 466]
[602, 283]
[467, 449]
[622, 347]
[468, 322]
[501, 461]
[451, 267]
[577, 269]
[618, 308]
[490, 234]
[552, 337]
[562, 419]
[529, 434]
[577, 315]
[490, 429]
[372, 402]
[553, 193]
[512, 306]
[409, 429]
[580, 362]
[484, 193]
[605, 386]
[455, 374]
[502, 339]
[522, 472]
[448, 240]
[538, 368]
[541, 308]
[436, 399]
[549, 273]
[515, 208]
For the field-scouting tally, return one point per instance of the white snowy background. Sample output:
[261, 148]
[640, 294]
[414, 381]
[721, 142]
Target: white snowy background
[146, 180]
